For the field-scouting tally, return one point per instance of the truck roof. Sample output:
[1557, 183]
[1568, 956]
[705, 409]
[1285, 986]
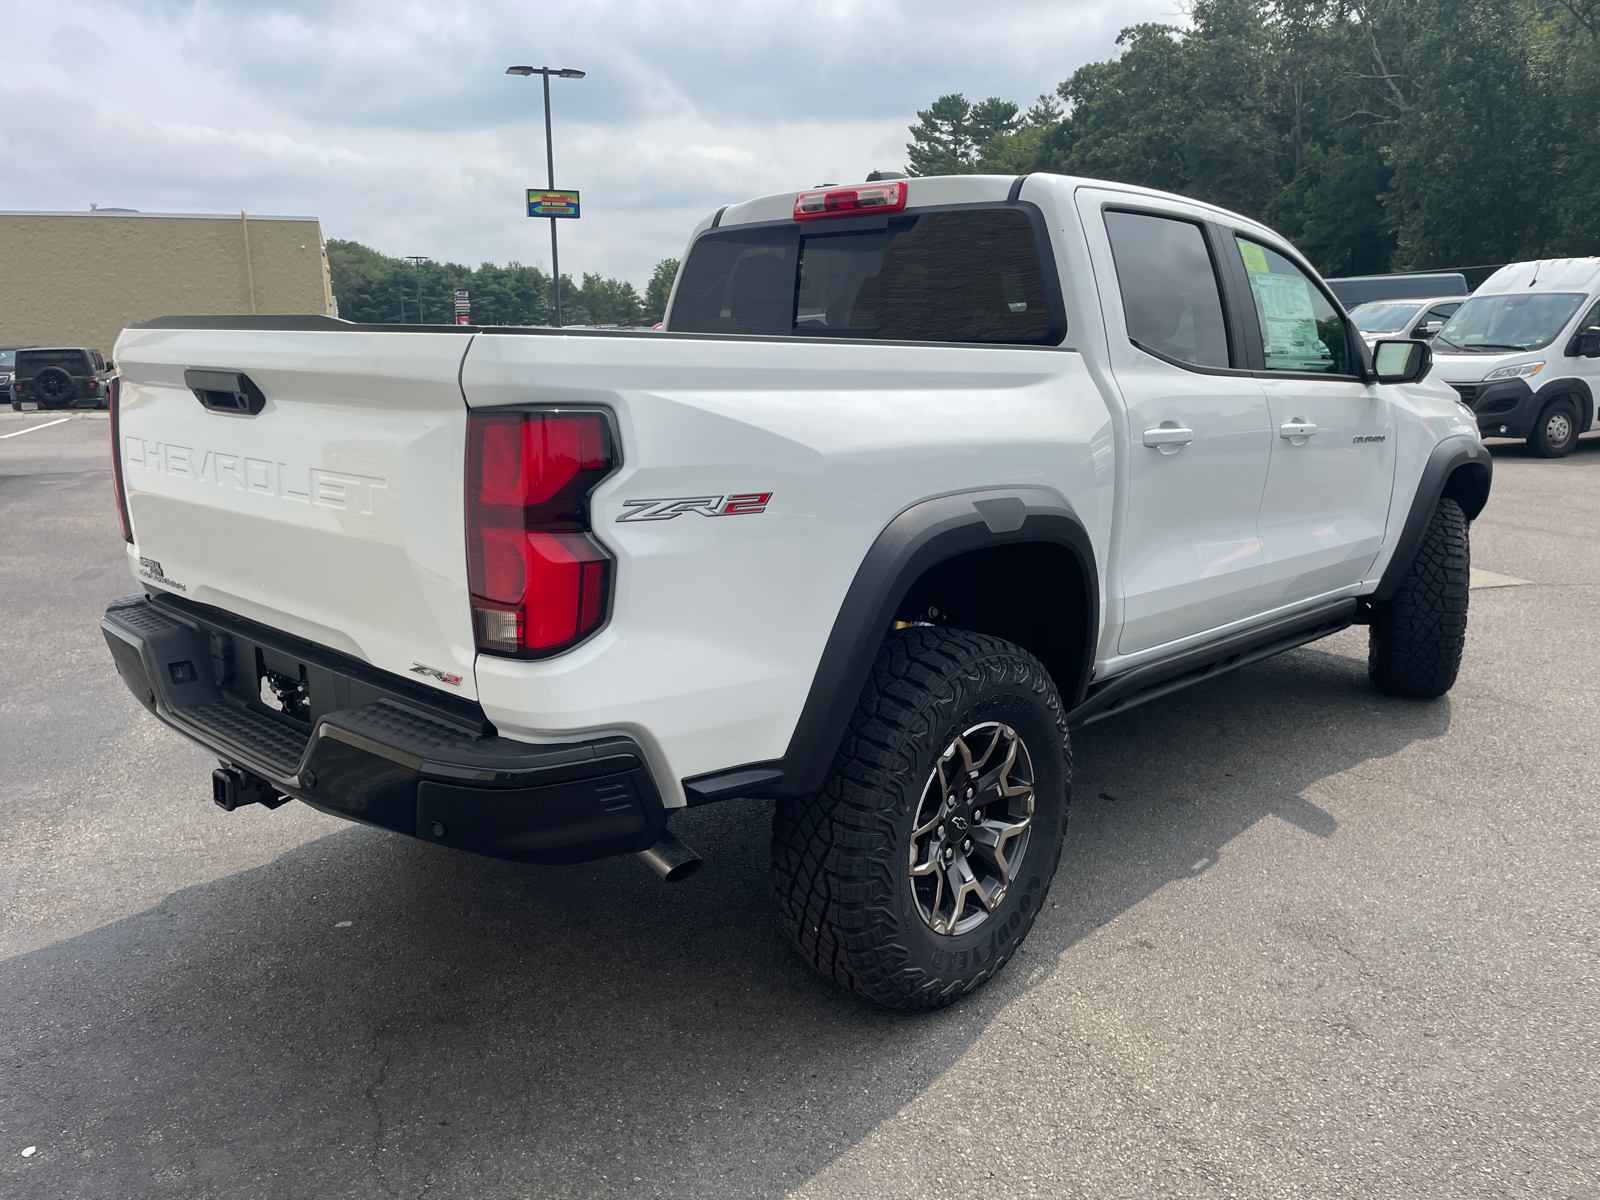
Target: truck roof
[1543, 275]
[926, 190]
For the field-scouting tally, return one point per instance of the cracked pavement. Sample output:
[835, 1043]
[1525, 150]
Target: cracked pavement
[1306, 942]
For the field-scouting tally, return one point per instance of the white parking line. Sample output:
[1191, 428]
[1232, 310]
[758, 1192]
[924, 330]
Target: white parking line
[1478, 578]
[31, 428]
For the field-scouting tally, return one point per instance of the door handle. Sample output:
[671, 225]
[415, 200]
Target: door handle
[1297, 432]
[1168, 438]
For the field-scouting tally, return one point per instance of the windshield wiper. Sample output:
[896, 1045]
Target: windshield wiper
[1495, 347]
[1437, 339]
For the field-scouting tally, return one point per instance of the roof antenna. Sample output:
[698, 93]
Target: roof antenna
[1539, 262]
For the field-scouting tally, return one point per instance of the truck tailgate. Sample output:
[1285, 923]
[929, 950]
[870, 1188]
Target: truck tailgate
[335, 513]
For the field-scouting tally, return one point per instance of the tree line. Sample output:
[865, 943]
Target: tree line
[1379, 135]
[377, 288]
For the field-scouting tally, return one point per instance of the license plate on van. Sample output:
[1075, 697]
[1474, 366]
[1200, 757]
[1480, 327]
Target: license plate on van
[30, 406]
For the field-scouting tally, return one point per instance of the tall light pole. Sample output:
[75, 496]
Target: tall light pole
[550, 162]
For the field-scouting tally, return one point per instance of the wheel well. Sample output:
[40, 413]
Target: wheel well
[1468, 486]
[1033, 594]
[1575, 391]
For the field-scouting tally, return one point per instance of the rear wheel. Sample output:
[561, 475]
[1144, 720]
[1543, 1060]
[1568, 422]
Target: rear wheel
[916, 872]
[1415, 641]
[1556, 431]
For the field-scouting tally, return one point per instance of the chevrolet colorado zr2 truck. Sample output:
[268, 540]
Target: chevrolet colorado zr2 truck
[919, 476]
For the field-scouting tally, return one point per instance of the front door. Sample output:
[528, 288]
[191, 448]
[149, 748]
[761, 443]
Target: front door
[1189, 556]
[1332, 471]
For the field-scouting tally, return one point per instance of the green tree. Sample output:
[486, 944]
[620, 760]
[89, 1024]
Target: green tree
[659, 290]
[1379, 134]
[378, 288]
[950, 134]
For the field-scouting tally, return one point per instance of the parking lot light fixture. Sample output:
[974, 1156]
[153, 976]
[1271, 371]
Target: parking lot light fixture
[550, 165]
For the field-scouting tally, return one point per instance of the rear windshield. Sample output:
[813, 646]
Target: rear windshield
[31, 362]
[967, 276]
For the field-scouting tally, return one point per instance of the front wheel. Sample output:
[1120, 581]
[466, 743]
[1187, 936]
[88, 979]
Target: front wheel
[1416, 638]
[1556, 431]
[916, 872]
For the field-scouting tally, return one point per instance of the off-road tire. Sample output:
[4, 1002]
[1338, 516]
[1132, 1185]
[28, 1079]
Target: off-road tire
[1547, 440]
[840, 858]
[1416, 637]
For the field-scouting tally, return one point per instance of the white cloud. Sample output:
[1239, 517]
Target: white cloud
[394, 123]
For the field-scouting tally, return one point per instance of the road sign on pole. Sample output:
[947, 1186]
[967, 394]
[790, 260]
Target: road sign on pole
[547, 202]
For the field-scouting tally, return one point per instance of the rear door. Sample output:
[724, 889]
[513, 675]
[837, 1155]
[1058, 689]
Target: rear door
[335, 513]
[1332, 466]
[1197, 423]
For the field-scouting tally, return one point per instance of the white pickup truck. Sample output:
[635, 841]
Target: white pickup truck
[919, 476]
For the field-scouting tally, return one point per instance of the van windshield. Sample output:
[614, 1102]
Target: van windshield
[1504, 324]
[1384, 316]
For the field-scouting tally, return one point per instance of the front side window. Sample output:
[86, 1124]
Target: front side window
[1300, 328]
[1506, 324]
[970, 276]
[1170, 297]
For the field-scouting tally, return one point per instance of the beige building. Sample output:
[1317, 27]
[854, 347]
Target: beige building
[75, 279]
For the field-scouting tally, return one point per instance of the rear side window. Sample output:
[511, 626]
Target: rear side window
[31, 362]
[1170, 297]
[968, 276]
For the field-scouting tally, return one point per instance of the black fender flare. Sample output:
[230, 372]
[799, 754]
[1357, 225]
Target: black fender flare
[1569, 385]
[1460, 468]
[922, 536]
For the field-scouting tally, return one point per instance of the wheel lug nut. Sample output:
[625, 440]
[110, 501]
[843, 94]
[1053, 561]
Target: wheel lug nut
[969, 793]
[966, 846]
[949, 853]
[977, 815]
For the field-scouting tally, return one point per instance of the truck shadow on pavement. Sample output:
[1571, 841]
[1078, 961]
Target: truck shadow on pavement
[484, 1029]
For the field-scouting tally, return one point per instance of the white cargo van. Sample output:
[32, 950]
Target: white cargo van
[1524, 352]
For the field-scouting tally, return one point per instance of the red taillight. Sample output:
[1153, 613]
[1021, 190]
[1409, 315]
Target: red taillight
[540, 581]
[851, 201]
[116, 459]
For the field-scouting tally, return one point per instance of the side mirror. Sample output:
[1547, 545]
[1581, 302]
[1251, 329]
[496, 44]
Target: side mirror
[1589, 343]
[1431, 328]
[110, 366]
[1401, 362]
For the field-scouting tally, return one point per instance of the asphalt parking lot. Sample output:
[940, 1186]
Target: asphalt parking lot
[1306, 941]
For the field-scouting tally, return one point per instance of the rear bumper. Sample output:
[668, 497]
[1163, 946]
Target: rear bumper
[397, 759]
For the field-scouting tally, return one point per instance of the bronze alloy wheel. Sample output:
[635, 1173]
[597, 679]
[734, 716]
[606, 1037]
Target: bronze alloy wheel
[972, 828]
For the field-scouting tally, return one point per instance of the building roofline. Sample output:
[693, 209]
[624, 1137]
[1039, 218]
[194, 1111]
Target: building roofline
[104, 214]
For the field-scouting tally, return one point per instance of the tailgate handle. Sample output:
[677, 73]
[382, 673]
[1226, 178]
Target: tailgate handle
[230, 392]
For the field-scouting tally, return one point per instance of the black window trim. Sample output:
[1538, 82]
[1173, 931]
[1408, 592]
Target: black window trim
[1355, 345]
[1043, 247]
[1237, 345]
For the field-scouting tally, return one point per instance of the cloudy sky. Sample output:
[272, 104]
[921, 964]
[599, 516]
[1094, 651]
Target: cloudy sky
[394, 123]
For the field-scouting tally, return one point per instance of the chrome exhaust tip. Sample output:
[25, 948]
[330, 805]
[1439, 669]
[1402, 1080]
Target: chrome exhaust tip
[670, 858]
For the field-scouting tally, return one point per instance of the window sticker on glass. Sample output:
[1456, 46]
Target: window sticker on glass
[1300, 329]
[1255, 258]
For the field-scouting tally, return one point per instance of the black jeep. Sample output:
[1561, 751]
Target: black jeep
[59, 377]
